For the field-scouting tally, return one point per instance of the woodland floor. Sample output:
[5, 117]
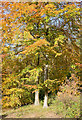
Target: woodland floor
[64, 105]
[31, 111]
[55, 110]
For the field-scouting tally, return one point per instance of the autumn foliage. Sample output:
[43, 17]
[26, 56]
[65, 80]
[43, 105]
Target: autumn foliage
[32, 29]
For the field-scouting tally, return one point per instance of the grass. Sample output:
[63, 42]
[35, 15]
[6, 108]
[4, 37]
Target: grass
[69, 109]
[28, 111]
[57, 109]
[66, 104]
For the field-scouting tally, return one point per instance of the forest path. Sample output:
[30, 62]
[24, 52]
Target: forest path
[31, 111]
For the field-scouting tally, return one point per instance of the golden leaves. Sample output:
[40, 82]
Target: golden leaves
[34, 46]
[49, 6]
[27, 35]
[31, 86]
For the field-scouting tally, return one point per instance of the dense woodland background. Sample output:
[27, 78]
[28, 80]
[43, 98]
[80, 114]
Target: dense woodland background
[41, 57]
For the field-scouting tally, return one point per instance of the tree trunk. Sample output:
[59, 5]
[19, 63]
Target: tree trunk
[37, 96]
[46, 89]
[37, 82]
[46, 99]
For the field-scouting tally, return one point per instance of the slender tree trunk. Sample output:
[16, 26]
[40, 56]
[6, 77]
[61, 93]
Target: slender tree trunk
[46, 99]
[46, 89]
[37, 95]
[37, 82]
[46, 76]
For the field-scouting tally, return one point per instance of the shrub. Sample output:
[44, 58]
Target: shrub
[16, 97]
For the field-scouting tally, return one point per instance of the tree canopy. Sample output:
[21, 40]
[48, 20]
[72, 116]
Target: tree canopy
[30, 32]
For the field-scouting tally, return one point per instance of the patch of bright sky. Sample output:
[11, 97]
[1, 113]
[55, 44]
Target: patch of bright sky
[43, 16]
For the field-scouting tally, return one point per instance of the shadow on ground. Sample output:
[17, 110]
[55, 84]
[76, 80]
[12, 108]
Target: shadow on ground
[3, 116]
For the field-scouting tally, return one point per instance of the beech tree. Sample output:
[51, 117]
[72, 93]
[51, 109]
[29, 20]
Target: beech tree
[44, 36]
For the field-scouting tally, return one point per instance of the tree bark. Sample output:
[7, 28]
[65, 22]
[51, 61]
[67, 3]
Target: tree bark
[36, 96]
[46, 99]
[37, 91]
[46, 89]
